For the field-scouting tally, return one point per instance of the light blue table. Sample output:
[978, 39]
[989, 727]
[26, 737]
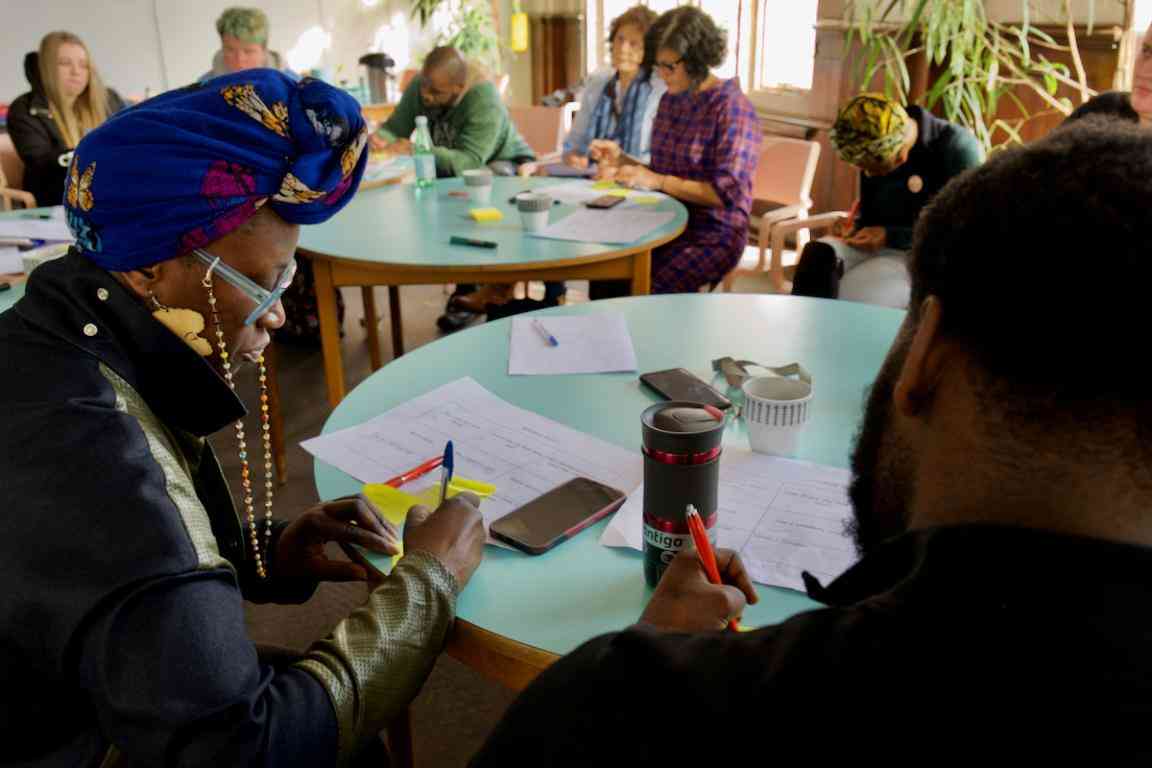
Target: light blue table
[13, 294]
[520, 610]
[398, 235]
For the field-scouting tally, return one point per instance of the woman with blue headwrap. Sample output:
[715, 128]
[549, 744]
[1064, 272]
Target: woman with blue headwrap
[122, 554]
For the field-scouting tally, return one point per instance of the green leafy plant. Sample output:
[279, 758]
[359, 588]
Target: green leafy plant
[981, 62]
[470, 29]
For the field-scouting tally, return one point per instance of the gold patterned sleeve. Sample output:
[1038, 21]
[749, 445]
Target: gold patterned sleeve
[375, 661]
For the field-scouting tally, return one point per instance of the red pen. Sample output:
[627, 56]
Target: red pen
[415, 472]
[705, 554]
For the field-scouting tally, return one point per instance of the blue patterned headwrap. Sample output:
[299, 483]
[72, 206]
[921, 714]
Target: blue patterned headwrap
[185, 168]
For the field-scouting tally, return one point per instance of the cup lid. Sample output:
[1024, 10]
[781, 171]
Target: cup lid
[679, 426]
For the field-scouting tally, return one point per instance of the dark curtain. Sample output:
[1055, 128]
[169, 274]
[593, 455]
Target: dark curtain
[555, 43]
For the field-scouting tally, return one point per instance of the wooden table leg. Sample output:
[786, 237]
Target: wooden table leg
[371, 324]
[642, 273]
[399, 734]
[397, 327]
[329, 330]
[275, 414]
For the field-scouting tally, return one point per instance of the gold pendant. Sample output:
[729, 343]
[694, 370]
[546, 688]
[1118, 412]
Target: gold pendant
[187, 324]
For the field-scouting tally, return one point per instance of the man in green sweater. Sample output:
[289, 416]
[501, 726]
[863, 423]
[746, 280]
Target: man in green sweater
[469, 123]
[470, 128]
[905, 156]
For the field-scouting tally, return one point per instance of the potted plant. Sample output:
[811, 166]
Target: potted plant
[978, 62]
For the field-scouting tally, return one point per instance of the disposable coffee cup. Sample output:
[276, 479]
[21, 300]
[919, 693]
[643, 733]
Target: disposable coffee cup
[534, 208]
[775, 412]
[479, 184]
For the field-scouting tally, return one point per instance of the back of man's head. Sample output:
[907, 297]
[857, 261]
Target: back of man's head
[1040, 260]
[448, 62]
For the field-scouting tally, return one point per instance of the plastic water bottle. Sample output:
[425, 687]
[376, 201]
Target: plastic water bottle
[422, 153]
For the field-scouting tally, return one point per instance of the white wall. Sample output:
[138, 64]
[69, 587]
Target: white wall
[148, 46]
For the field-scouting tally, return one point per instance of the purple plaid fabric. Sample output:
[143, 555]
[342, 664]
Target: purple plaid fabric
[711, 136]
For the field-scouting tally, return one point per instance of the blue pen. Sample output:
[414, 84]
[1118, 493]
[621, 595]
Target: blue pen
[548, 337]
[446, 471]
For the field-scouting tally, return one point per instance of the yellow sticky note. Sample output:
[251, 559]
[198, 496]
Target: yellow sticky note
[486, 214]
[393, 504]
[618, 193]
[605, 184]
[647, 199]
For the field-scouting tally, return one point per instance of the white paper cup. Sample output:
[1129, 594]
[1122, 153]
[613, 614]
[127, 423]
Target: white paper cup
[775, 412]
[534, 208]
[479, 184]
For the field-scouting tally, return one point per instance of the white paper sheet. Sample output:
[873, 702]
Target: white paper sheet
[10, 261]
[578, 193]
[610, 226]
[782, 516]
[50, 230]
[523, 453]
[587, 344]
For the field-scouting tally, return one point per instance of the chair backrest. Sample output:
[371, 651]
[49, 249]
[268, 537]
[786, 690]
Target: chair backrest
[786, 169]
[11, 166]
[406, 78]
[541, 127]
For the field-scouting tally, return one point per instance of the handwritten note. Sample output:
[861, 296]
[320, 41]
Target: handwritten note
[783, 517]
[522, 453]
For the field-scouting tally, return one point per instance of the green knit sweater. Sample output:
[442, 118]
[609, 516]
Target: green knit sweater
[471, 134]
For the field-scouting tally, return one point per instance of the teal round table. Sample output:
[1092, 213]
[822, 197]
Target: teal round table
[398, 235]
[520, 611]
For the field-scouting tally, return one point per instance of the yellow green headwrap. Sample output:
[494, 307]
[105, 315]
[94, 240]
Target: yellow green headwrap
[870, 128]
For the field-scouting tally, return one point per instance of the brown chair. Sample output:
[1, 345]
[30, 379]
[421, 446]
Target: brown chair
[781, 191]
[12, 176]
[541, 127]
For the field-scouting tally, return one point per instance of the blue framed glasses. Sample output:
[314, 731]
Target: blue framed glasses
[260, 296]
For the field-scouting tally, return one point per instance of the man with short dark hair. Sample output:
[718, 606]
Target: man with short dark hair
[469, 123]
[470, 128]
[1002, 490]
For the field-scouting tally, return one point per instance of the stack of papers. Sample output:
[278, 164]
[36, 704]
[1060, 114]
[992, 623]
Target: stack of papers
[52, 230]
[783, 517]
[522, 453]
[597, 343]
[610, 226]
[10, 261]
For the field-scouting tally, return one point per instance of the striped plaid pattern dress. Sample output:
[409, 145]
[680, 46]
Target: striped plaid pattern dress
[712, 136]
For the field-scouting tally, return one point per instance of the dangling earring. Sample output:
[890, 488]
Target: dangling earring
[245, 473]
[185, 323]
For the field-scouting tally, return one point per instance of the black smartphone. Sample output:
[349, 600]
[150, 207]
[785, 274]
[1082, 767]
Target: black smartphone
[679, 384]
[559, 514]
[605, 201]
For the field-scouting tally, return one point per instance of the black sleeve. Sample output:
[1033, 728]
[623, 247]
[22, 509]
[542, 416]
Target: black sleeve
[38, 149]
[642, 697]
[174, 680]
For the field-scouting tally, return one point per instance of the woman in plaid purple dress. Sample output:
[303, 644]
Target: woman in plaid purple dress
[705, 145]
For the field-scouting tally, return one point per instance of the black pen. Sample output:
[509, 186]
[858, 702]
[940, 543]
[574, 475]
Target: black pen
[5, 286]
[456, 240]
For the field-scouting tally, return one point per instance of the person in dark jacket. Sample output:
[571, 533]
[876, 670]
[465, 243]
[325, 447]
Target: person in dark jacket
[905, 155]
[1003, 510]
[123, 560]
[1134, 107]
[68, 99]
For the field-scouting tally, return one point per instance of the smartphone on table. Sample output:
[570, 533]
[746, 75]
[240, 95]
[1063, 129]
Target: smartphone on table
[680, 384]
[605, 201]
[556, 515]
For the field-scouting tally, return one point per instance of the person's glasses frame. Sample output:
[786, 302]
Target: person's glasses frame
[669, 67]
[261, 296]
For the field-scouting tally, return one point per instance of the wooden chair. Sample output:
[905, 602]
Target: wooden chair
[12, 176]
[541, 127]
[798, 226]
[781, 191]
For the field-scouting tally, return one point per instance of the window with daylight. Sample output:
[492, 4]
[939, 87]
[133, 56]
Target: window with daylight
[771, 43]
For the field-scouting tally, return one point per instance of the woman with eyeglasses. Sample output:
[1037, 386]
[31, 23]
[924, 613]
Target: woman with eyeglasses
[124, 557]
[705, 145]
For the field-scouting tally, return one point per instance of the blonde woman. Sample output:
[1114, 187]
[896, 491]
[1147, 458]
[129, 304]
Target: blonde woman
[68, 99]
